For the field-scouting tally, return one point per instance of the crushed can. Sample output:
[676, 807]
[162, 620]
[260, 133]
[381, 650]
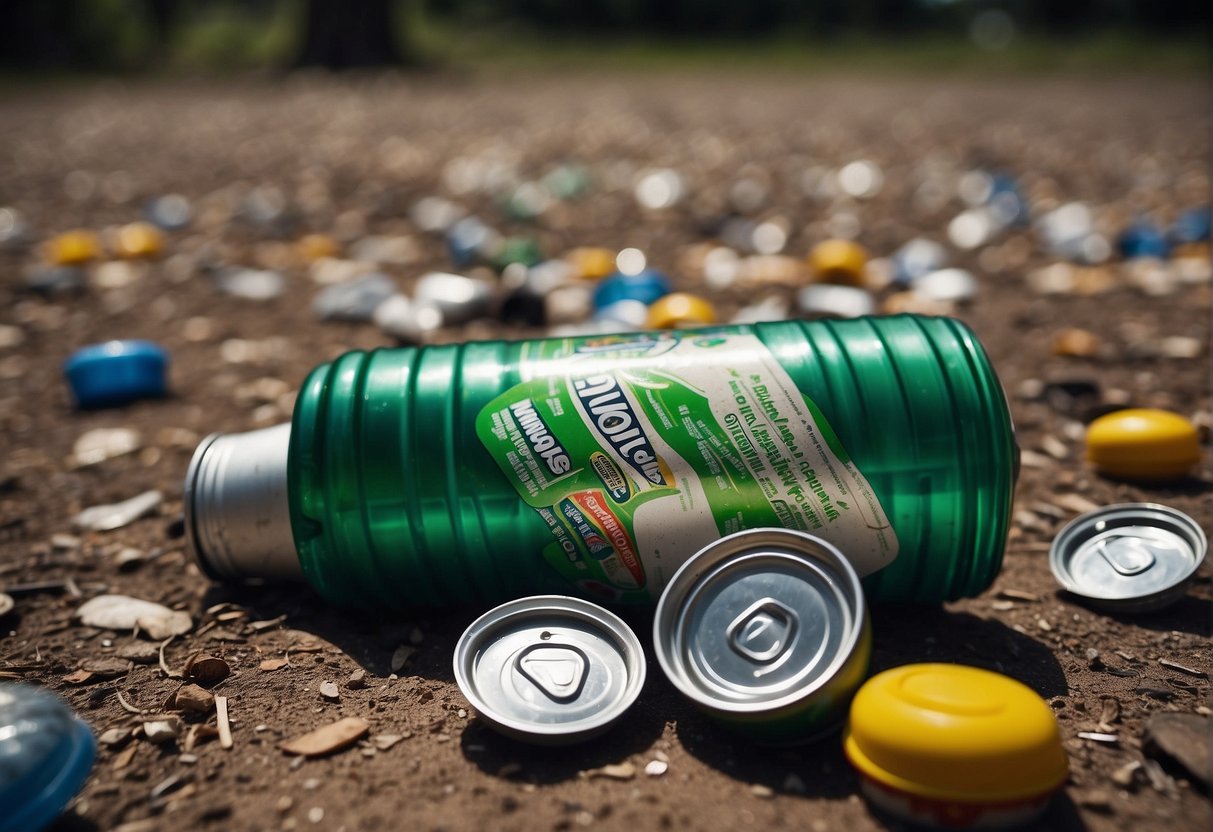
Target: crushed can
[595, 466]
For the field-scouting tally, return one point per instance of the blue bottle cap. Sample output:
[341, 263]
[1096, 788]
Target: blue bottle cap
[116, 372]
[1192, 226]
[1143, 239]
[46, 753]
[645, 286]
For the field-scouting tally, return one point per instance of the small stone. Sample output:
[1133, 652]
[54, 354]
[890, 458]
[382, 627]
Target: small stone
[1077, 343]
[761, 791]
[385, 741]
[139, 652]
[115, 737]
[1094, 662]
[65, 542]
[192, 699]
[284, 804]
[115, 516]
[356, 681]
[270, 665]
[159, 731]
[1126, 775]
[656, 768]
[401, 657]
[1096, 800]
[1183, 738]
[129, 559]
[328, 690]
[315, 814]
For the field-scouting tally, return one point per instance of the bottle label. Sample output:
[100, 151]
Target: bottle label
[638, 450]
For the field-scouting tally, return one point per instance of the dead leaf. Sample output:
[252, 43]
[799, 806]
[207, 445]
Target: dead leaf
[78, 677]
[326, 740]
[121, 612]
[274, 664]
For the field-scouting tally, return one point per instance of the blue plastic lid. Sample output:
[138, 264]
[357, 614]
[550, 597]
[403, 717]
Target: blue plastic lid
[116, 372]
[46, 753]
[646, 286]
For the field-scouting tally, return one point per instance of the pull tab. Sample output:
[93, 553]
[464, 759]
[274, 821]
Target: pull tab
[1127, 556]
[764, 632]
[558, 670]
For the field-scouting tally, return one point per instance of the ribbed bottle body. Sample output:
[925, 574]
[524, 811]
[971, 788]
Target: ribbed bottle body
[397, 502]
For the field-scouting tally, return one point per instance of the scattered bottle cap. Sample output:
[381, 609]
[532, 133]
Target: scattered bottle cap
[1144, 444]
[459, 298]
[250, 284]
[646, 286]
[470, 240]
[947, 285]
[313, 247]
[838, 261]
[621, 315]
[14, 231]
[680, 309]
[116, 372]
[1191, 226]
[406, 320]
[171, 212]
[46, 753]
[549, 669]
[356, 300]
[524, 250]
[1143, 239]
[590, 263]
[73, 248]
[835, 301]
[1133, 557]
[138, 241]
[56, 280]
[916, 258]
[956, 747]
[767, 631]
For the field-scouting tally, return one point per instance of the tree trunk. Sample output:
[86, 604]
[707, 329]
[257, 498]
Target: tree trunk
[346, 35]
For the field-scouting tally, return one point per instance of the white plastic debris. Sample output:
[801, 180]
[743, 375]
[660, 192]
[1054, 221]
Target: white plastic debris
[115, 516]
[121, 612]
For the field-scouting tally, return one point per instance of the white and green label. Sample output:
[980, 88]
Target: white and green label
[639, 450]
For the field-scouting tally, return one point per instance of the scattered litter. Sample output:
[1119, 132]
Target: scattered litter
[326, 740]
[614, 771]
[762, 792]
[1095, 736]
[1182, 669]
[270, 665]
[115, 737]
[328, 690]
[1017, 595]
[250, 284]
[192, 699]
[100, 444]
[109, 517]
[121, 612]
[206, 670]
[356, 681]
[1126, 775]
[223, 723]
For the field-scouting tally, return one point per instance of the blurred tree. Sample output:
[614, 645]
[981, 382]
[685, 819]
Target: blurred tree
[349, 35]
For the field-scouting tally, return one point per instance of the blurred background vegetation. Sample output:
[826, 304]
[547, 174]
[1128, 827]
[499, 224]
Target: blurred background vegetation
[189, 36]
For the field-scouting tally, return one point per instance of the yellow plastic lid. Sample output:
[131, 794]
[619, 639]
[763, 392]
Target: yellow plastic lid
[951, 732]
[680, 310]
[1143, 443]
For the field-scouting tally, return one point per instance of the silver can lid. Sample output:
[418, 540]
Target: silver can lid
[759, 620]
[549, 669]
[1132, 557]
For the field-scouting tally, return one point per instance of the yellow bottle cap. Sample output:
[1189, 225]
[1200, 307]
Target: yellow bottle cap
[1143, 444]
[138, 240]
[839, 261]
[313, 247]
[591, 263]
[680, 309]
[72, 248]
[949, 732]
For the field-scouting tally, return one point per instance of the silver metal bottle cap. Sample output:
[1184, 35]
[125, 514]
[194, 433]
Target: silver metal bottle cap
[549, 669]
[1131, 557]
[761, 620]
[236, 511]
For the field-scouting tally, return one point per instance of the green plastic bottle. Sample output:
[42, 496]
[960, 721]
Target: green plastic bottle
[472, 473]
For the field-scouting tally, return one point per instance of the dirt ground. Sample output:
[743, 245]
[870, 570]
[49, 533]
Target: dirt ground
[351, 158]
